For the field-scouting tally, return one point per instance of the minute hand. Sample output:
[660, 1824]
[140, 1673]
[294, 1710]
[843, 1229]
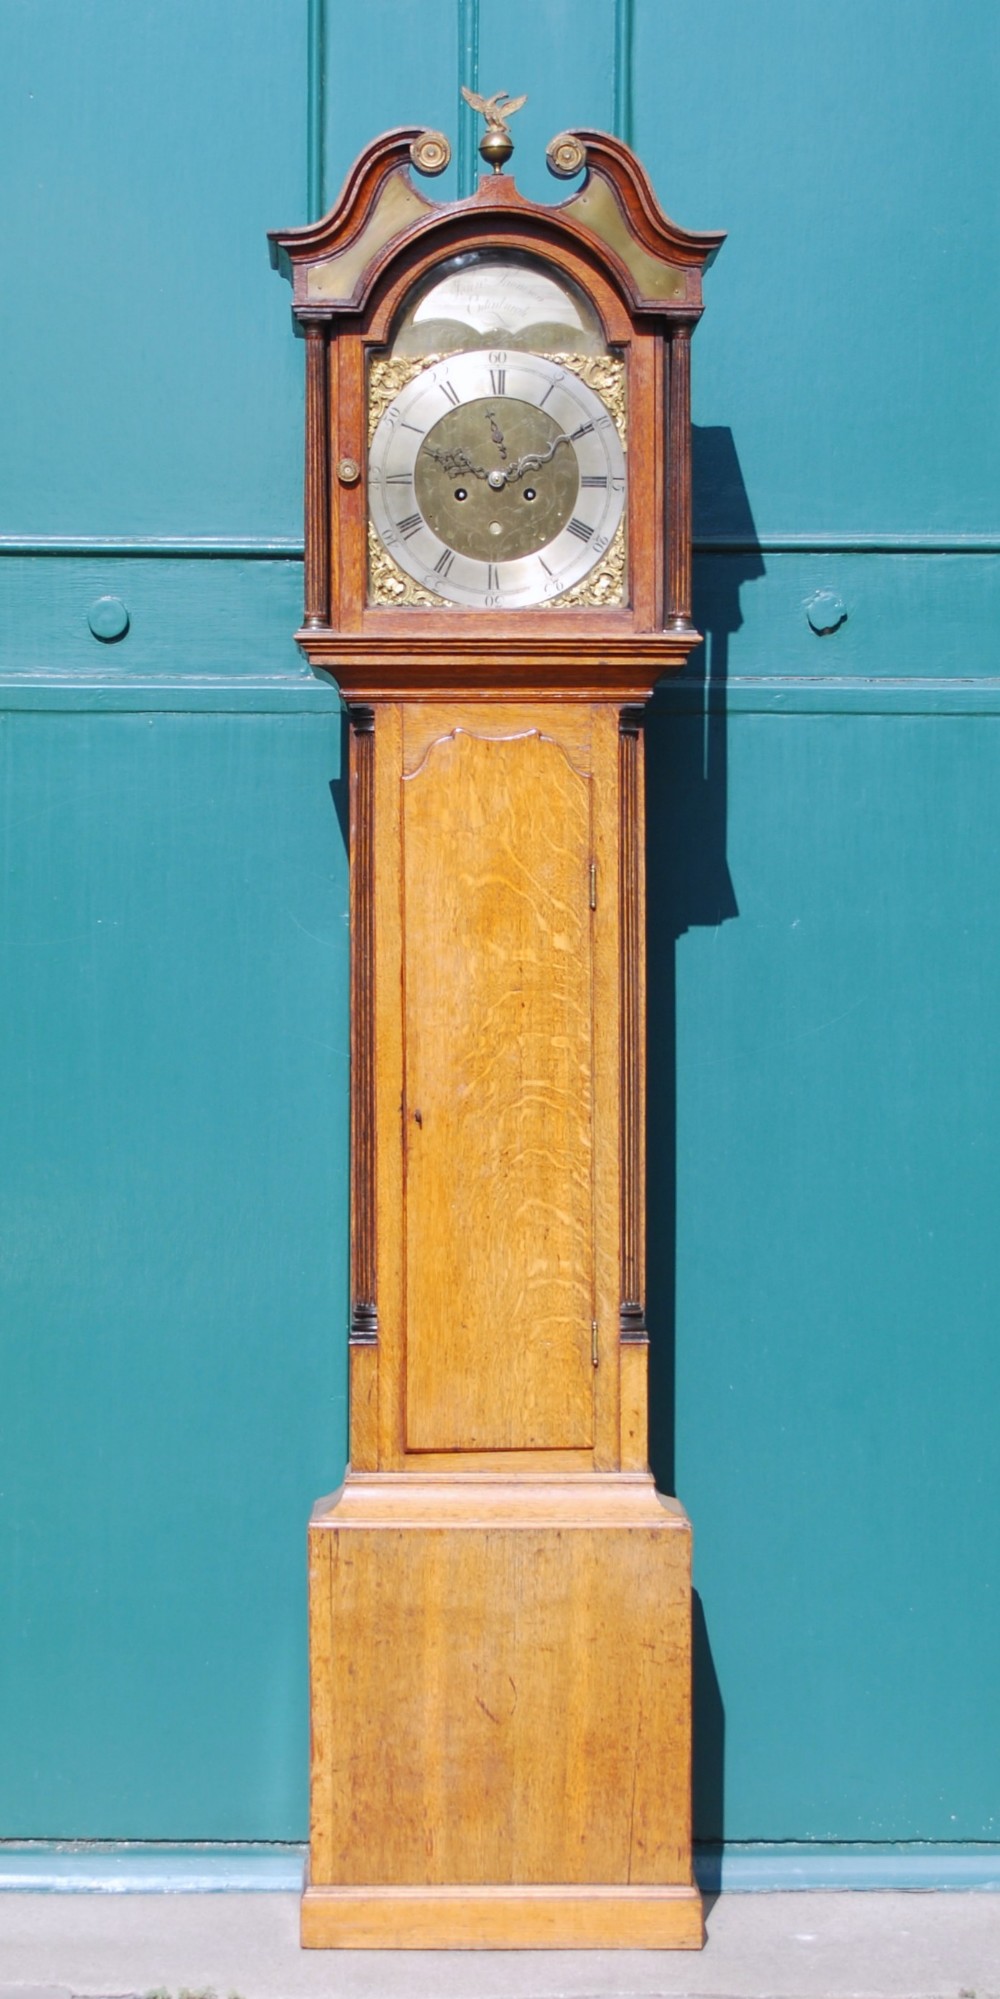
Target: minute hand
[533, 459]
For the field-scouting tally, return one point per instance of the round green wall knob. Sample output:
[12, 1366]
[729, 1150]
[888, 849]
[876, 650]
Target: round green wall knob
[826, 612]
[108, 619]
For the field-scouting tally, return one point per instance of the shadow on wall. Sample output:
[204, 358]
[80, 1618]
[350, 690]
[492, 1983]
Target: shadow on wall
[689, 885]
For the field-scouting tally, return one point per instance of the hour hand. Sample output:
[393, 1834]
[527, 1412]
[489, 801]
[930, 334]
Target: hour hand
[497, 435]
[454, 462]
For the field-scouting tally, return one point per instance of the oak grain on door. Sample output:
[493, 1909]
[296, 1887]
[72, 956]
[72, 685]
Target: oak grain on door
[497, 1111]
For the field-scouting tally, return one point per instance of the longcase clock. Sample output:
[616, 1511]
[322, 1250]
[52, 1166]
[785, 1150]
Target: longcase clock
[497, 572]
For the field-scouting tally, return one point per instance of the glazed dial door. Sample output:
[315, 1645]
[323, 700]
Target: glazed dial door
[496, 479]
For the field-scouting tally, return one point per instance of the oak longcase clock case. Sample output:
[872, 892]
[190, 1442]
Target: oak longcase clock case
[497, 572]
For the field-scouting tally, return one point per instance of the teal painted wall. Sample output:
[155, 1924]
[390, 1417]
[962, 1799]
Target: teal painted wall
[173, 1020]
[824, 848]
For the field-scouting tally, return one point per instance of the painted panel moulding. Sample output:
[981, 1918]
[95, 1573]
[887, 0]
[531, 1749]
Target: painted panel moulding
[780, 696]
[290, 549]
[48, 1868]
[27, 694]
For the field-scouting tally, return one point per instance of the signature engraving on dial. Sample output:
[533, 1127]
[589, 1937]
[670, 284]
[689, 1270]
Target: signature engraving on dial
[497, 479]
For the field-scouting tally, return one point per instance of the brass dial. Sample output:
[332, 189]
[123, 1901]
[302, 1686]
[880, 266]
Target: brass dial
[496, 479]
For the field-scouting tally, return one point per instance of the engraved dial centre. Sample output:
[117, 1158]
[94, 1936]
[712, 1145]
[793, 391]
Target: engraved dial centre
[497, 479]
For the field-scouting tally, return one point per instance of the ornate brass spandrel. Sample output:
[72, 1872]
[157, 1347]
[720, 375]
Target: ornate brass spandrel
[605, 374]
[387, 375]
[388, 584]
[603, 585]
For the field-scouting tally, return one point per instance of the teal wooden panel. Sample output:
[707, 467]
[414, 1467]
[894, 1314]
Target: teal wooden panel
[852, 154]
[562, 53]
[173, 1040]
[152, 387]
[907, 616]
[406, 67]
[910, 616]
[392, 66]
[823, 1033]
[824, 958]
[188, 617]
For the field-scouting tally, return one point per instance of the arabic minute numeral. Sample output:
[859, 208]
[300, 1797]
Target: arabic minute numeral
[595, 479]
[410, 526]
[580, 529]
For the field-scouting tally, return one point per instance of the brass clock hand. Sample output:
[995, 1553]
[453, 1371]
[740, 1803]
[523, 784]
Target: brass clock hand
[458, 460]
[533, 459]
[497, 435]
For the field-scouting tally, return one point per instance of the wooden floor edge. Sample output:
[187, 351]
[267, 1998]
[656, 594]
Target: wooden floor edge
[521, 1918]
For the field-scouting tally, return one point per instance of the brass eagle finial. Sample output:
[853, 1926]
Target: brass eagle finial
[496, 144]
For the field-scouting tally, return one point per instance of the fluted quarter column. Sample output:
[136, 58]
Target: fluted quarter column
[317, 493]
[679, 480]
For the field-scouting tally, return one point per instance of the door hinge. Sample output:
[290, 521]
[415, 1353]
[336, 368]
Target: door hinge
[593, 884]
[593, 1342]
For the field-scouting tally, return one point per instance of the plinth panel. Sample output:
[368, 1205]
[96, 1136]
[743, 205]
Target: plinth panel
[501, 1687]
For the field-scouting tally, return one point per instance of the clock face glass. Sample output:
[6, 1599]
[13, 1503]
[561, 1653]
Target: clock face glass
[496, 473]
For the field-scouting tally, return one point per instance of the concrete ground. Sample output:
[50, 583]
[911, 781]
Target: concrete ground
[768, 1946]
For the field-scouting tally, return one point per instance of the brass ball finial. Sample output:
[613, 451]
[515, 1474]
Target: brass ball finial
[496, 144]
[495, 148]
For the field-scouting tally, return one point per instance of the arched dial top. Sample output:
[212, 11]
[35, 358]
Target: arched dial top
[496, 478]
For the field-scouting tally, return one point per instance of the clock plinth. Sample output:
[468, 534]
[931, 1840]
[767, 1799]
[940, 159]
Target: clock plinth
[500, 1601]
[500, 1675]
